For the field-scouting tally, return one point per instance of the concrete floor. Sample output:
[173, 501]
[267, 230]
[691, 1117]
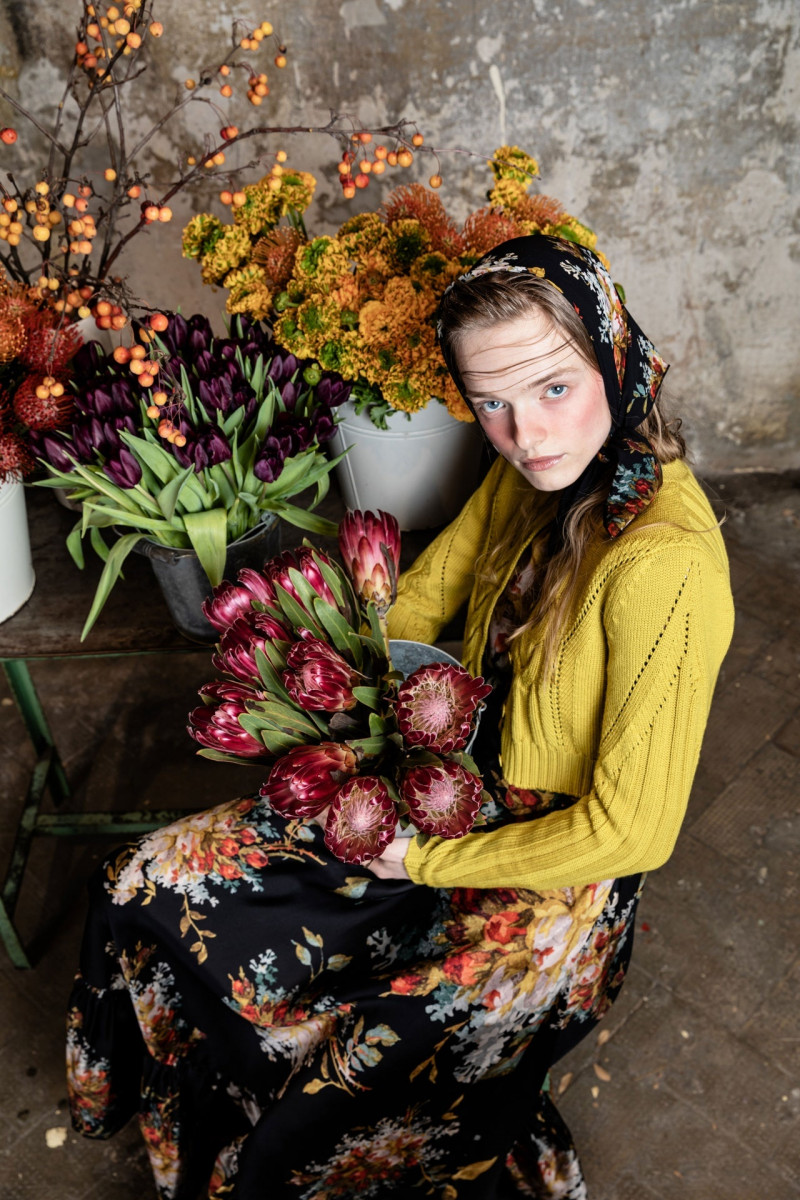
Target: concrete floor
[695, 1094]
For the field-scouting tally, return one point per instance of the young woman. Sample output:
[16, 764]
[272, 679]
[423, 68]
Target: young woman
[389, 1030]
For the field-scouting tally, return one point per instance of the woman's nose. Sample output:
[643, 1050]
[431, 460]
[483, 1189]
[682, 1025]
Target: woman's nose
[530, 430]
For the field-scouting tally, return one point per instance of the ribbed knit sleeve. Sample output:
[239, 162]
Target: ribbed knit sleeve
[441, 580]
[668, 619]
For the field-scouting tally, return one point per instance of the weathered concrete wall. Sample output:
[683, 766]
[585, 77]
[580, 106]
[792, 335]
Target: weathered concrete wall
[669, 126]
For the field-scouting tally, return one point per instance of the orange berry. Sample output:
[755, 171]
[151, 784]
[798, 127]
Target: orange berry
[90, 61]
[226, 197]
[224, 69]
[190, 85]
[261, 89]
[226, 90]
[405, 158]
[136, 365]
[81, 48]
[121, 355]
[365, 166]
[159, 322]
[417, 139]
[103, 308]
[349, 191]
[165, 213]
[82, 205]
[146, 379]
[344, 168]
[219, 158]
[138, 352]
[152, 410]
[110, 174]
[281, 156]
[365, 138]
[391, 158]
[103, 322]
[93, 31]
[134, 192]
[435, 181]
[9, 136]
[229, 132]
[265, 28]
[134, 40]
[84, 190]
[156, 28]
[254, 99]
[191, 161]
[180, 440]
[41, 233]
[122, 26]
[151, 212]
[381, 152]
[119, 321]
[280, 60]
[160, 398]
[362, 180]
[378, 167]
[239, 198]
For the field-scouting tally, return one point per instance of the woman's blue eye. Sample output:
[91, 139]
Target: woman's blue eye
[491, 406]
[556, 390]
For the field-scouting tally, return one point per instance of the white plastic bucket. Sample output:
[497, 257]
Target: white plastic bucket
[421, 470]
[16, 566]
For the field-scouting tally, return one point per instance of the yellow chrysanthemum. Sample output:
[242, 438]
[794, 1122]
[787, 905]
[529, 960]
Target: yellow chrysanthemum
[509, 162]
[321, 265]
[295, 193]
[230, 249]
[249, 292]
[200, 234]
[507, 194]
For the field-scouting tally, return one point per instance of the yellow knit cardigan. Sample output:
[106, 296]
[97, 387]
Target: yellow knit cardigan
[620, 721]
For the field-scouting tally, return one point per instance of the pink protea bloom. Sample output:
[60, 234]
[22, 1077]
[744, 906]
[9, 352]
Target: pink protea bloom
[232, 600]
[443, 799]
[370, 549]
[217, 726]
[435, 706]
[305, 780]
[277, 570]
[239, 642]
[362, 820]
[318, 678]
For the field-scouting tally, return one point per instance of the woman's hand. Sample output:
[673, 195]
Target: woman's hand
[390, 864]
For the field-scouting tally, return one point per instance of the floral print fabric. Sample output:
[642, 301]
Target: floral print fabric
[271, 1013]
[629, 363]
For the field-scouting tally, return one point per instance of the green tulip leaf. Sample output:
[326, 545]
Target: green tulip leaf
[168, 496]
[304, 519]
[98, 544]
[153, 455]
[117, 555]
[75, 545]
[208, 533]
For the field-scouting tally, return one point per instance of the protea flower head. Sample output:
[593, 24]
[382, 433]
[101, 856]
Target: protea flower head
[239, 642]
[302, 559]
[46, 411]
[306, 779]
[217, 725]
[435, 705]
[318, 678]
[443, 799]
[362, 820]
[232, 600]
[370, 549]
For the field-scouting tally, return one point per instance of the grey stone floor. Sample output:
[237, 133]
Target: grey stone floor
[695, 1093]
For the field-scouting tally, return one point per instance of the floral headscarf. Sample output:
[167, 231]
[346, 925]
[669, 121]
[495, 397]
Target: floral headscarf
[631, 368]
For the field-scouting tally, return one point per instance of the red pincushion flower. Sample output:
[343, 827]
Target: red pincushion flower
[435, 706]
[306, 779]
[362, 820]
[318, 678]
[443, 800]
[37, 412]
[16, 459]
[370, 549]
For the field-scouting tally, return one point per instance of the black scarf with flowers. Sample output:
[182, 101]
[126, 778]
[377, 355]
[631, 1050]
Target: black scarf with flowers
[631, 368]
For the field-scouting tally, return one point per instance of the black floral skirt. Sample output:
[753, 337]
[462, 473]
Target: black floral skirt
[287, 1026]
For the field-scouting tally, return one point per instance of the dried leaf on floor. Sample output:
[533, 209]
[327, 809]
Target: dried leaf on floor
[56, 1136]
[564, 1083]
[603, 1036]
[595, 1092]
[602, 1073]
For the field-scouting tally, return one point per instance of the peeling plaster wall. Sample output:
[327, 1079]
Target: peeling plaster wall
[669, 126]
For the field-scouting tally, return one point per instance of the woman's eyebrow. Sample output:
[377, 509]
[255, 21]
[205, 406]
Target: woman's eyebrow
[528, 386]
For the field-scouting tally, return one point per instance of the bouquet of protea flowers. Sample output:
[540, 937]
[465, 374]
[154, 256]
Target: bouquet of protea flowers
[310, 690]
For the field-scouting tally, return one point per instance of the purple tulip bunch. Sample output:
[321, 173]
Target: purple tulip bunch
[309, 690]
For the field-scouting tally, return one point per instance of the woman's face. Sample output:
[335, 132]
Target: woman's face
[538, 401]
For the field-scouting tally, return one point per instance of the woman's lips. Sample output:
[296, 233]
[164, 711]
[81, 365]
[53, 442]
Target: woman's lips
[542, 464]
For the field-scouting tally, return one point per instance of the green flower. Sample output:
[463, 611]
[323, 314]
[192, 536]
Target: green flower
[229, 249]
[200, 235]
[513, 163]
